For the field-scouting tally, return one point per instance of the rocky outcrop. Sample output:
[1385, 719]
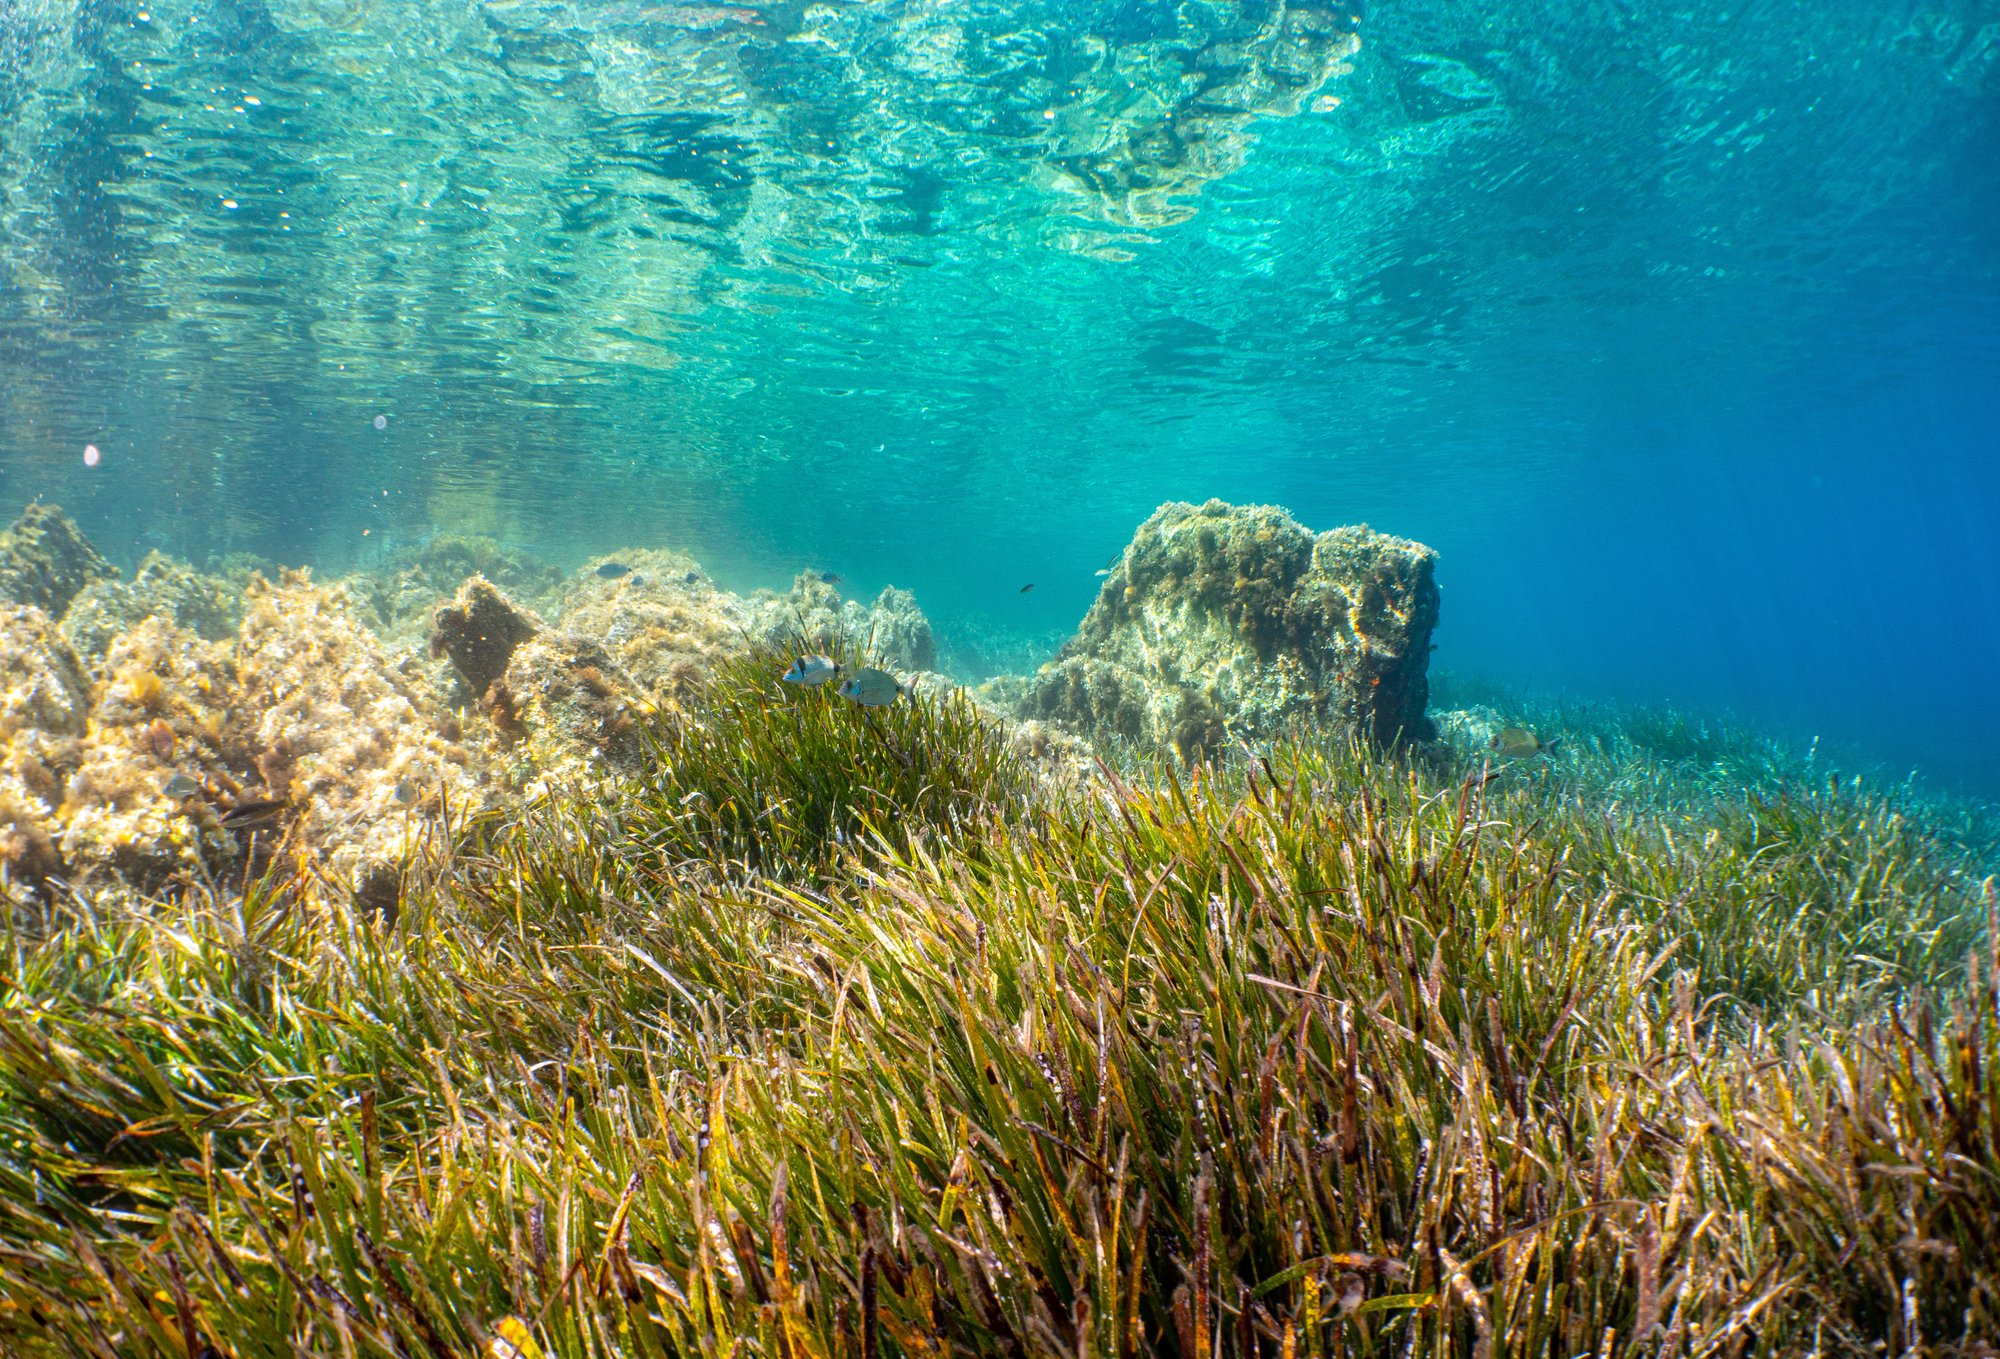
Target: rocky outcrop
[46, 562]
[398, 601]
[1223, 621]
[163, 712]
[479, 632]
[899, 632]
[211, 607]
[364, 752]
[663, 621]
[893, 631]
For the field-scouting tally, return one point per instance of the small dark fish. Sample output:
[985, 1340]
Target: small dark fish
[830, 577]
[691, 577]
[179, 785]
[406, 791]
[256, 811]
[613, 570]
[1029, 586]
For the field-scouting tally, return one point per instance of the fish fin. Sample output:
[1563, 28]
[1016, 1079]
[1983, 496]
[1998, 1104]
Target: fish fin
[1549, 746]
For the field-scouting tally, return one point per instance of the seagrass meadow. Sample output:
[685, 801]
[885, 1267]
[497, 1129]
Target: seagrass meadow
[837, 1033]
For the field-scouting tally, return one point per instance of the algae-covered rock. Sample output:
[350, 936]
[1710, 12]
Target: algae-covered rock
[479, 631]
[399, 601]
[661, 619]
[42, 686]
[211, 607]
[570, 707]
[1224, 621]
[893, 630]
[45, 561]
[899, 633]
[809, 613]
[44, 712]
[163, 711]
[366, 753]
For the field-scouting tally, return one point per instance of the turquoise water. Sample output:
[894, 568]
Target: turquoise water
[1675, 329]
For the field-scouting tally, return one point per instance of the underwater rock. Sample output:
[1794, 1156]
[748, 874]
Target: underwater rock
[44, 712]
[46, 561]
[479, 631]
[1060, 760]
[899, 633]
[570, 706]
[449, 558]
[163, 712]
[893, 630]
[400, 600]
[1223, 621]
[42, 685]
[338, 729]
[810, 614]
[209, 606]
[663, 621]
[28, 854]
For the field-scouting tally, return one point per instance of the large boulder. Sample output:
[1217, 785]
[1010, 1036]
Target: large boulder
[364, 751]
[161, 712]
[1224, 621]
[659, 616]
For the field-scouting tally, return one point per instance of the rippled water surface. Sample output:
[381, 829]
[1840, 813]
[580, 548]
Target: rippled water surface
[1675, 329]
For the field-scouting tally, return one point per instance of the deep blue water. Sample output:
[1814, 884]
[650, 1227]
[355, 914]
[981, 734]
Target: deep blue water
[1675, 329]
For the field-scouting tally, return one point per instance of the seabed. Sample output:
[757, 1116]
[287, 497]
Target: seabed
[475, 957]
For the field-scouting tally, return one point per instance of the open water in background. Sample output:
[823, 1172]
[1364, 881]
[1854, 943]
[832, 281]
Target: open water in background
[1676, 329]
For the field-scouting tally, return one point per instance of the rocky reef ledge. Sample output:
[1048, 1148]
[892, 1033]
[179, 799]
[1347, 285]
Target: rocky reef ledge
[186, 729]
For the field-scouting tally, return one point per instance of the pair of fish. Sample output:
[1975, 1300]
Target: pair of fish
[240, 815]
[619, 571]
[868, 686]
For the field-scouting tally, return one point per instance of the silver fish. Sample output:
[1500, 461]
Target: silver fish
[811, 670]
[872, 688]
[406, 791]
[179, 785]
[1518, 743]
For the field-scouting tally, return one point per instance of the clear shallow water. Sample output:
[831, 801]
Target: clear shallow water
[1675, 330]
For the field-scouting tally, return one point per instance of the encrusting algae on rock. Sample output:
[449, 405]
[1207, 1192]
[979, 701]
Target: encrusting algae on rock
[162, 712]
[44, 713]
[209, 606]
[337, 726]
